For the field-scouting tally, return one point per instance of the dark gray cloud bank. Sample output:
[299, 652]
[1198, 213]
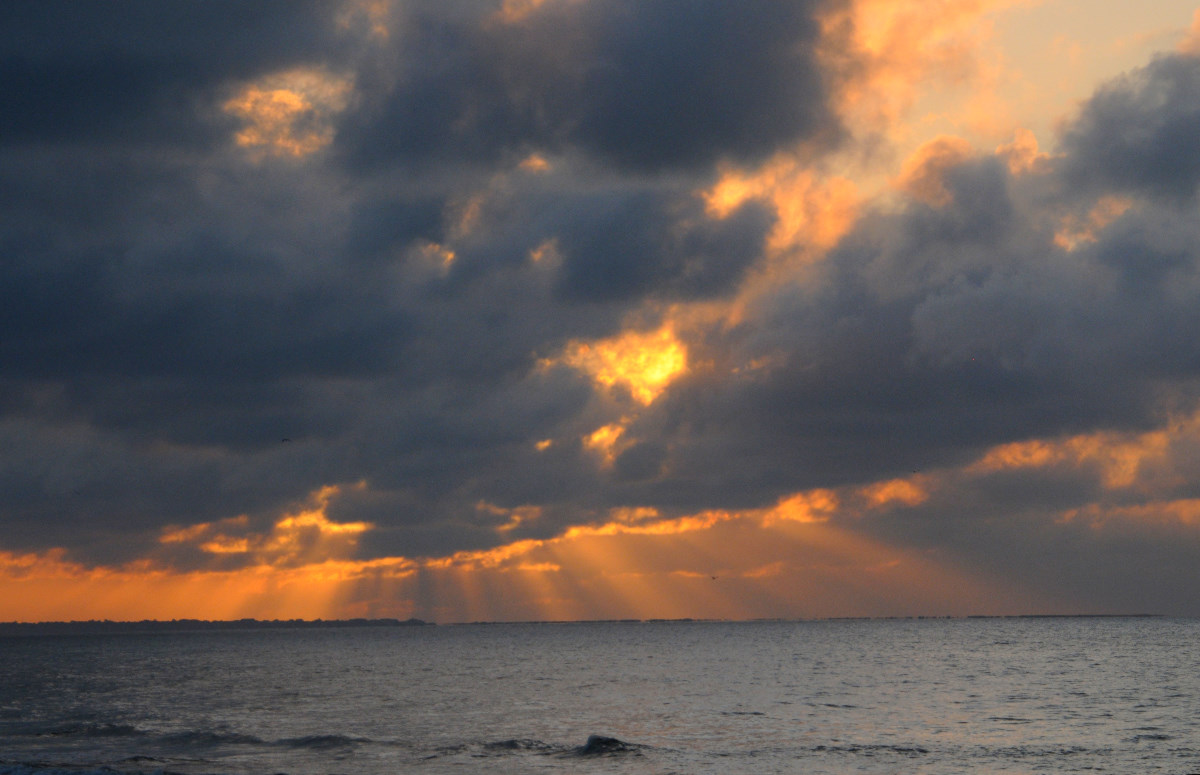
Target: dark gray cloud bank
[171, 310]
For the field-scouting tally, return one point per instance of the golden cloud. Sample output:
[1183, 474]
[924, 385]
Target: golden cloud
[644, 363]
[289, 114]
[812, 210]
[304, 537]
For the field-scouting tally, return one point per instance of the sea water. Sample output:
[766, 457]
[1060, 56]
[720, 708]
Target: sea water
[1119, 695]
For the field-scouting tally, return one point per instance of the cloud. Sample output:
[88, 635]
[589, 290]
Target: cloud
[1135, 134]
[289, 113]
[146, 72]
[630, 563]
[952, 323]
[635, 245]
[485, 274]
[647, 86]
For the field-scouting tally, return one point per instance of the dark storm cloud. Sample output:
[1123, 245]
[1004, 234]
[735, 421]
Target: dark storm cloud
[171, 288]
[642, 85]
[108, 497]
[634, 246]
[1138, 133]
[614, 244]
[668, 83]
[1059, 532]
[142, 71]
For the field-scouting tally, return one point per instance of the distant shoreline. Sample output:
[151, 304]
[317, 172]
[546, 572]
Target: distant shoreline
[105, 626]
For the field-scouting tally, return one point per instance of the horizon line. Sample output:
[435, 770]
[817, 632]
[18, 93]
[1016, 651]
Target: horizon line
[415, 621]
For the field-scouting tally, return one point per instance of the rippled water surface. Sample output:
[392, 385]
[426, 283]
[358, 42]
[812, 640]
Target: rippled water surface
[1115, 695]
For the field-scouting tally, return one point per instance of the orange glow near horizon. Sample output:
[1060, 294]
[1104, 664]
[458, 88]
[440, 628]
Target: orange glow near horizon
[801, 557]
[783, 561]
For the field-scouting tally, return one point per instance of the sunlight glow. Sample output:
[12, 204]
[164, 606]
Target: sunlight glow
[535, 162]
[516, 11]
[436, 256]
[907, 47]
[606, 441]
[1119, 458]
[800, 557]
[788, 560]
[644, 363]
[813, 211]
[304, 537]
[811, 506]
[903, 491]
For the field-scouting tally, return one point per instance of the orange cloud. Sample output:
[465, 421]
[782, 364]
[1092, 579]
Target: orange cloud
[894, 51]
[1023, 153]
[1191, 42]
[374, 13]
[304, 537]
[923, 173]
[607, 441]
[644, 363]
[908, 492]
[512, 11]
[535, 163]
[185, 535]
[1120, 458]
[435, 256]
[289, 114]
[1074, 231]
[812, 211]
[513, 517]
[811, 506]
[546, 253]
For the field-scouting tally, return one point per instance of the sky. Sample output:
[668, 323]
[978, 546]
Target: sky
[589, 309]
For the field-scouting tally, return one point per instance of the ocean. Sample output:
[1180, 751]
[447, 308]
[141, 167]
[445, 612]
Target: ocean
[1011, 695]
